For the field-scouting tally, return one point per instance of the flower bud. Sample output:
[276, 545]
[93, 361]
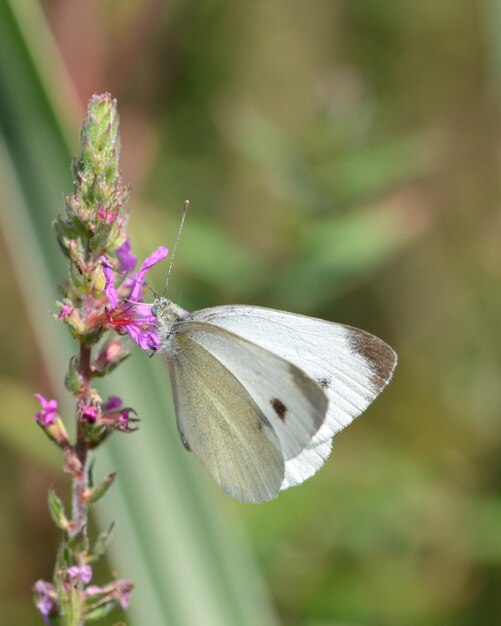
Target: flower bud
[112, 353]
[49, 420]
[58, 434]
[70, 316]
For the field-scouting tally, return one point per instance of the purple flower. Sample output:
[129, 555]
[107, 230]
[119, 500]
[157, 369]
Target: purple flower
[124, 600]
[143, 328]
[113, 402]
[111, 354]
[89, 414]
[118, 417]
[119, 591]
[86, 574]
[127, 261]
[139, 279]
[103, 215]
[82, 572]
[64, 311]
[129, 317]
[123, 589]
[124, 420]
[109, 286]
[47, 416]
[93, 590]
[46, 599]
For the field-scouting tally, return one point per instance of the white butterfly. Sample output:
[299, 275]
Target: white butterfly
[259, 394]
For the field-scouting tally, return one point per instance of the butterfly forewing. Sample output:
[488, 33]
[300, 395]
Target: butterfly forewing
[350, 365]
[292, 402]
[222, 425]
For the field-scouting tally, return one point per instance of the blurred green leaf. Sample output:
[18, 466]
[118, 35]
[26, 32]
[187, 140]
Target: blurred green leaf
[351, 176]
[369, 170]
[340, 252]
[264, 143]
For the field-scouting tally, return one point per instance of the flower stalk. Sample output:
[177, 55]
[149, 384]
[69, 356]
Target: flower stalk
[101, 306]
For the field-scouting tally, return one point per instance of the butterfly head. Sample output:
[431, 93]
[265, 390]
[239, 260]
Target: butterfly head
[167, 311]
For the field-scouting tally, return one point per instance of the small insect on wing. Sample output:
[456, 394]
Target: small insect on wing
[222, 424]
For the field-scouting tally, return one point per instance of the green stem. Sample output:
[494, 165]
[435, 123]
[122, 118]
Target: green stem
[80, 479]
[72, 616]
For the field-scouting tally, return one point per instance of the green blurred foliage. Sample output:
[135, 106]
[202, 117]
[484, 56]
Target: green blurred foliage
[342, 160]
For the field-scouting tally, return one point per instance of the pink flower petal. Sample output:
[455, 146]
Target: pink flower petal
[109, 284]
[125, 257]
[154, 258]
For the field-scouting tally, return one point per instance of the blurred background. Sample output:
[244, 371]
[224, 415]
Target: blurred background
[342, 161]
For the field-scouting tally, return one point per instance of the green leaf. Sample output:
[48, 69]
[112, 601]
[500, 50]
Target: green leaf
[73, 380]
[56, 508]
[96, 493]
[100, 612]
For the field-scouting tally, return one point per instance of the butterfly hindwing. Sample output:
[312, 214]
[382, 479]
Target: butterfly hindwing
[293, 403]
[222, 425]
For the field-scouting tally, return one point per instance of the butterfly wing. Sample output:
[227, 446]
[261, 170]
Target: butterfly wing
[350, 365]
[292, 402]
[222, 425]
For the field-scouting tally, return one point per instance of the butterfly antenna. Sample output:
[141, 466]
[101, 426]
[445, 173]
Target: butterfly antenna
[185, 211]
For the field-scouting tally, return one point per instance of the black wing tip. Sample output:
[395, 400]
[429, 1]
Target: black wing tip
[380, 357]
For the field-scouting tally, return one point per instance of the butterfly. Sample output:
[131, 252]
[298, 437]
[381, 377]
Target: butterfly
[259, 394]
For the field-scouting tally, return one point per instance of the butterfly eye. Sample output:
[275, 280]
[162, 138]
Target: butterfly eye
[154, 310]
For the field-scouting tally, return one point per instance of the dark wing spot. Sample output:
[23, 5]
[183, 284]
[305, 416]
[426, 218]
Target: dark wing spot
[279, 408]
[377, 354]
[324, 381]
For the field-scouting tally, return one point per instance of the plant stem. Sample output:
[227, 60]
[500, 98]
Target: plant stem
[80, 474]
[80, 477]
[92, 227]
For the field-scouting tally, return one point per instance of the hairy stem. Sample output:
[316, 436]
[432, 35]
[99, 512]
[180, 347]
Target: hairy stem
[80, 477]
[80, 473]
